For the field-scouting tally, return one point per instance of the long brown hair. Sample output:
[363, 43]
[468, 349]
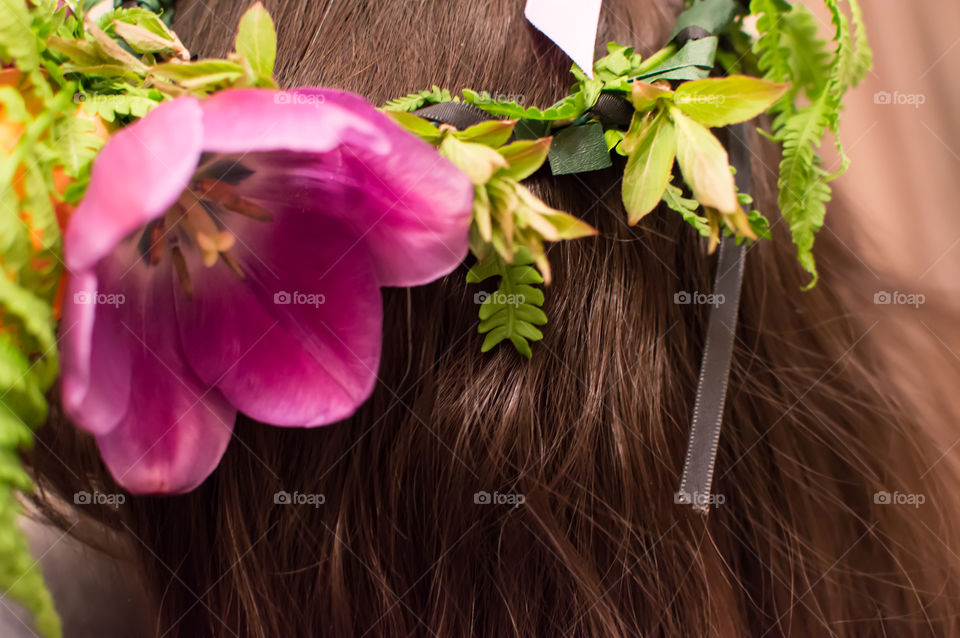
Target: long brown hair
[591, 432]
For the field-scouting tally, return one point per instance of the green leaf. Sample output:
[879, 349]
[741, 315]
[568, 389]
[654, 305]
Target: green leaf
[113, 53]
[415, 101]
[478, 161]
[524, 157]
[492, 133]
[803, 185]
[613, 138]
[514, 311]
[712, 15]
[420, 127]
[257, 40]
[579, 149]
[142, 40]
[808, 60]
[203, 74]
[570, 107]
[704, 164]
[692, 62]
[108, 106]
[673, 197]
[75, 142]
[648, 170]
[80, 52]
[17, 40]
[721, 101]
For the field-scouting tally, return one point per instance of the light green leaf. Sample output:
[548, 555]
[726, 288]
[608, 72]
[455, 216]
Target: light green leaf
[524, 157]
[257, 40]
[648, 170]
[704, 164]
[722, 101]
[478, 161]
[203, 74]
[141, 40]
[673, 197]
[492, 133]
[17, 40]
[417, 125]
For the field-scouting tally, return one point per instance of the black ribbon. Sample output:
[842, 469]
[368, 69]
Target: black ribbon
[697, 479]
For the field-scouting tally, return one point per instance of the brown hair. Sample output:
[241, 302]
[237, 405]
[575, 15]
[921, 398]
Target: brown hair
[592, 431]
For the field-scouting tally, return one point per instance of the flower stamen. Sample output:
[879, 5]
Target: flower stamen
[227, 195]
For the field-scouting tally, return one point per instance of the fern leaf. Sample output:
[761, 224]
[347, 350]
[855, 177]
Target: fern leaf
[803, 182]
[774, 57]
[414, 101]
[514, 311]
[673, 197]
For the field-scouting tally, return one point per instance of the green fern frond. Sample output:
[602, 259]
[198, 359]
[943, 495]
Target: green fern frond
[515, 310]
[414, 101]
[789, 50]
[862, 56]
[673, 197]
[774, 56]
[803, 186]
[808, 58]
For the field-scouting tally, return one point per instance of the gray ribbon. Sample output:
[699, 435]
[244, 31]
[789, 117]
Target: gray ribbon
[697, 480]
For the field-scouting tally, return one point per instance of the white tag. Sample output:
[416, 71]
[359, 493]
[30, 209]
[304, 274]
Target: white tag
[571, 24]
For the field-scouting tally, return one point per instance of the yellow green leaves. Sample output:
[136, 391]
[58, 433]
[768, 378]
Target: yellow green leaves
[648, 169]
[722, 101]
[257, 41]
[704, 164]
[478, 161]
[507, 217]
[510, 224]
[675, 124]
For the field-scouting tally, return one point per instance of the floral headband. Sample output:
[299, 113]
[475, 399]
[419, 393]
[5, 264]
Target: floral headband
[182, 241]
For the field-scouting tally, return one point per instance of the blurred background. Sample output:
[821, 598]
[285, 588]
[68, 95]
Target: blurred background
[897, 210]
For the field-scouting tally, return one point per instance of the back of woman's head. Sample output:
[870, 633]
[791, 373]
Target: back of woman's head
[590, 433]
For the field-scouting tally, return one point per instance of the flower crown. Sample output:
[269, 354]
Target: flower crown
[183, 241]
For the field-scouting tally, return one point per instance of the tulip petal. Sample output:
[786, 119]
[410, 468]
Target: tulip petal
[175, 428]
[276, 353]
[94, 365]
[411, 206]
[141, 171]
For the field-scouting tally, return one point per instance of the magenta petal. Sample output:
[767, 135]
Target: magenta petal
[278, 354]
[141, 171]
[175, 428]
[174, 434]
[414, 210]
[251, 120]
[94, 363]
[409, 205]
